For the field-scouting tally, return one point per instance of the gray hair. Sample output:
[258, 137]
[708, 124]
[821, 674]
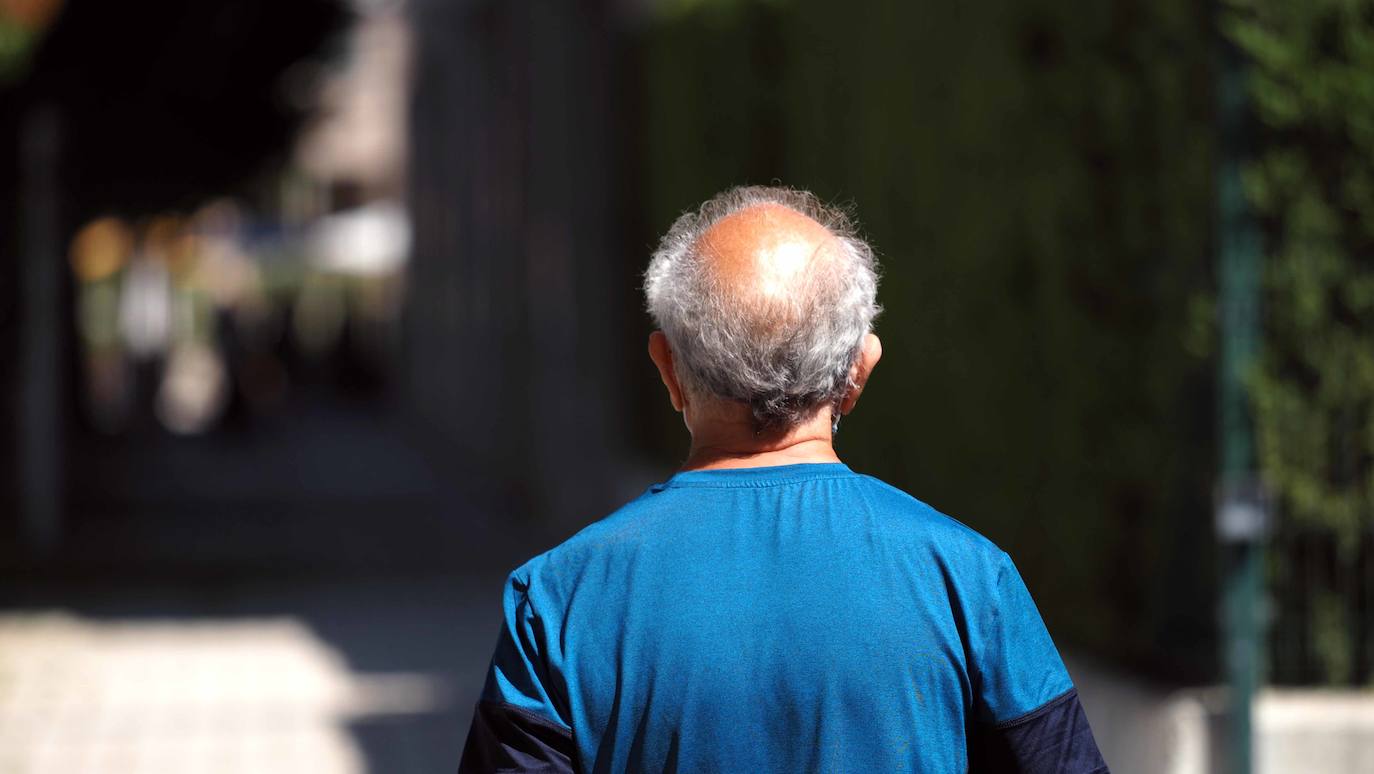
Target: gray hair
[784, 357]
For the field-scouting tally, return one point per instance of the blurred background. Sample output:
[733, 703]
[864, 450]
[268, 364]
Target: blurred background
[317, 318]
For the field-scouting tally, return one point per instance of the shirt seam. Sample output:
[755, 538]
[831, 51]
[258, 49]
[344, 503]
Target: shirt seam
[1048, 706]
[528, 714]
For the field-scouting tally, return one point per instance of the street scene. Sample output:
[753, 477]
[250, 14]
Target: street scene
[319, 319]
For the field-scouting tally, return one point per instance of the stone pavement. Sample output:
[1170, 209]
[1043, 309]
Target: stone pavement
[325, 676]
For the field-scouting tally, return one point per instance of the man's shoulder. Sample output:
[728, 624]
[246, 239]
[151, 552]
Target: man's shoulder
[623, 526]
[660, 511]
[923, 520]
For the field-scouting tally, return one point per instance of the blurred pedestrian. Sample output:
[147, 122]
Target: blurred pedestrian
[767, 608]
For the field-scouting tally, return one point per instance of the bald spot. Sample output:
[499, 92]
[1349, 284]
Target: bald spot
[765, 253]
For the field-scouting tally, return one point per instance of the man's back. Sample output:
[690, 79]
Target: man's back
[767, 609]
[791, 618]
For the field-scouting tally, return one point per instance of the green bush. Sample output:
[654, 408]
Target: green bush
[1312, 93]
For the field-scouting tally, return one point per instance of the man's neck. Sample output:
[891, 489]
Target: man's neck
[735, 445]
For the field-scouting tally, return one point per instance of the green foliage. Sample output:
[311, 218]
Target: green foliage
[1312, 86]
[1314, 90]
[16, 45]
[1036, 177]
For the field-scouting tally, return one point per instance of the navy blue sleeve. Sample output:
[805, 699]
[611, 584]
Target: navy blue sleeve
[1054, 739]
[1028, 717]
[520, 723]
[505, 738]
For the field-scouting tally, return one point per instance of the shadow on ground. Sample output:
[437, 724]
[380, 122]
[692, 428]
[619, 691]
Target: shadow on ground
[340, 675]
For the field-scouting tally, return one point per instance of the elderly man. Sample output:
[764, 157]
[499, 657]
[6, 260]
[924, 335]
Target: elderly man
[767, 608]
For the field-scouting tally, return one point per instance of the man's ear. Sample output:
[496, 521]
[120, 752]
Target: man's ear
[662, 355]
[869, 354]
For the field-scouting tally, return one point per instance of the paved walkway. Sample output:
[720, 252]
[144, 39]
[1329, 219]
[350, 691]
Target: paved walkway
[332, 678]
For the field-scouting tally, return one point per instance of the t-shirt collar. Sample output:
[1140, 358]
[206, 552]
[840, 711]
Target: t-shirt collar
[763, 476]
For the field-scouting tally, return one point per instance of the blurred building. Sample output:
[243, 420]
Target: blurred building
[376, 338]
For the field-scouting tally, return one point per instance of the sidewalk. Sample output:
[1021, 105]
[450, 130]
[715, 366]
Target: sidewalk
[330, 677]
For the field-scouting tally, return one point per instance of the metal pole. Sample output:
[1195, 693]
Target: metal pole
[40, 367]
[1241, 516]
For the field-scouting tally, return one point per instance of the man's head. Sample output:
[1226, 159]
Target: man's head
[765, 297]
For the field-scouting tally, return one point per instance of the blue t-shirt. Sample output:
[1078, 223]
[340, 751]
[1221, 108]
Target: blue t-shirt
[790, 619]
